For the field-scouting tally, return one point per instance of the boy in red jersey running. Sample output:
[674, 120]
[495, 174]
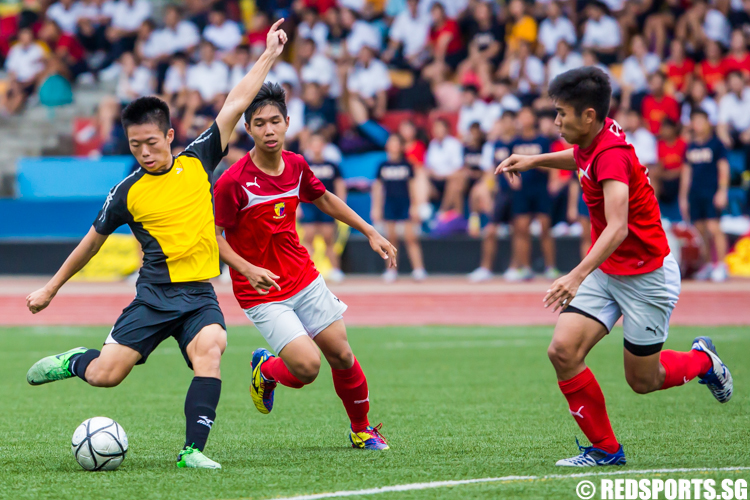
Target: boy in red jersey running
[274, 279]
[629, 270]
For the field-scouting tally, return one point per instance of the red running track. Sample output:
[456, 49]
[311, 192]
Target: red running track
[440, 301]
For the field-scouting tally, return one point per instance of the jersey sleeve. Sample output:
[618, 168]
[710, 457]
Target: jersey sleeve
[114, 212]
[310, 188]
[720, 151]
[615, 164]
[229, 199]
[337, 172]
[207, 148]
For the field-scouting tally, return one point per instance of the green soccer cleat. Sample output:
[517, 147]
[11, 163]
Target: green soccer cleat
[192, 458]
[52, 368]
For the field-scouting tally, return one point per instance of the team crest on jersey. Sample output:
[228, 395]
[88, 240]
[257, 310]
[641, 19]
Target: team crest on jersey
[279, 209]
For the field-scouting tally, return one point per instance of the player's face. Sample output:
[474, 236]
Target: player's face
[268, 129]
[571, 125]
[151, 147]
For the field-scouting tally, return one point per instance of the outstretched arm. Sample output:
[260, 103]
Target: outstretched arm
[515, 164]
[79, 257]
[243, 94]
[333, 206]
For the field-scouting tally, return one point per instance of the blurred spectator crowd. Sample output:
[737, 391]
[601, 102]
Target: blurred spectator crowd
[463, 82]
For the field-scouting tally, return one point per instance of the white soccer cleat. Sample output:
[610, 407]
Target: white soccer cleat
[513, 274]
[718, 379]
[419, 274]
[480, 274]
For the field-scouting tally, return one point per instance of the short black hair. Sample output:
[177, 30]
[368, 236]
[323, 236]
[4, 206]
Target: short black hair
[270, 94]
[696, 110]
[509, 113]
[147, 110]
[583, 88]
[470, 87]
[668, 122]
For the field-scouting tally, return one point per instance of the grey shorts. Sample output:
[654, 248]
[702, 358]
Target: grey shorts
[645, 301]
[309, 312]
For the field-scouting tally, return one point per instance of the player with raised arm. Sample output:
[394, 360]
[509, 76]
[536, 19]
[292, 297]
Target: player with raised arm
[629, 270]
[273, 278]
[167, 203]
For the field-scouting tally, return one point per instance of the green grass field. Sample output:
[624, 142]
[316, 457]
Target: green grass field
[456, 403]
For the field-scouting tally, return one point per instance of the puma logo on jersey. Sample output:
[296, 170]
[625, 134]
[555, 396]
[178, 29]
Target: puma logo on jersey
[584, 173]
[254, 183]
[576, 413]
[202, 419]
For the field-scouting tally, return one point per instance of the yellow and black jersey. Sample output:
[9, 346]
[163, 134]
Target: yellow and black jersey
[171, 214]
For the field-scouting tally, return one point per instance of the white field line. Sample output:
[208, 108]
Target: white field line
[504, 479]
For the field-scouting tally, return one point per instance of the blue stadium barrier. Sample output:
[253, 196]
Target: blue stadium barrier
[70, 177]
[49, 219]
[362, 165]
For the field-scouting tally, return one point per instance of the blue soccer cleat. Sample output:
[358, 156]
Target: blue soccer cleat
[261, 388]
[718, 379]
[369, 439]
[592, 457]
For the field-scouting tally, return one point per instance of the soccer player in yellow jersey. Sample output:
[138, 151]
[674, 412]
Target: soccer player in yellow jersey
[168, 205]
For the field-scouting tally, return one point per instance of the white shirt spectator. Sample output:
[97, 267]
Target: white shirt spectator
[355, 5]
[184, 36]
[139, 84]
[496, 109]
[708, 104]
[411, 32]
[237, 73]
[735, 111]
[601, 34]
[476, 113]
[89, 10]
[362, 34]
[367, 82]
[67, 19]
[283, 72]
[225, 37]
[614, 5]
[209, 80]
[175, 80]
[151, 48]
[452, 7]
[446, 157]
[635, 73]
[644, 144]
[551, 32]
[556, 66]
[318, 33]
[612, 80]
[125, 16]
[488, 157]
[533, 73]
[26, 63]
[716, 27]
[321, 70]
[295, 110]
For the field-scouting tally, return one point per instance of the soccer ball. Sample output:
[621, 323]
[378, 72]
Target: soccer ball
[99, 443]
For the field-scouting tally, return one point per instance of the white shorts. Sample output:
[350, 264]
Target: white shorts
[645, 301]
[309, 312]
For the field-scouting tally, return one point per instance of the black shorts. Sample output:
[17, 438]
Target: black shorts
[396, 209]
[702, 207]
[311, 214]
[531, 199]
[502, 212]
[159, 311]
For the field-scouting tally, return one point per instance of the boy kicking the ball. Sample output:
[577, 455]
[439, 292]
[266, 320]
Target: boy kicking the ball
[167, 203]
[274, 279]
[629, 270]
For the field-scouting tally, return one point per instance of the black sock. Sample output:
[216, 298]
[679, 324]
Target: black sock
[200, 410]
[80, 362]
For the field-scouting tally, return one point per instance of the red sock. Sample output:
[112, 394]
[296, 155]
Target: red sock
[275, 369]
[589, 410]
[682, 367]
[351, 386]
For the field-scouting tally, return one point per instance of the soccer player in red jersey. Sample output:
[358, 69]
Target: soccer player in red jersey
[273, 277]
[629, 270]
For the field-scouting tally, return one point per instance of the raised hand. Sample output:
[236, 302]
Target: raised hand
[513, 165]
[276, 39]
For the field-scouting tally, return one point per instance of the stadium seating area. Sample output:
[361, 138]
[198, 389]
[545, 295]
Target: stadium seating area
[357, 70]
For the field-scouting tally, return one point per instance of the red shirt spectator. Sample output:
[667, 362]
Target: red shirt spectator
[654, 110]
[712, 70]
[442, 26]
[671, 154]
[415, 152]
[678, 73]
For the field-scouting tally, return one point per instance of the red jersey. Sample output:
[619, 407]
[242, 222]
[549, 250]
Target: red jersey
[450, 26]
[258, 214]
[610, 157]
[655, 110]
[734, 63]
[677, 73]
[712, 74]
[672, 156]
[415, 154]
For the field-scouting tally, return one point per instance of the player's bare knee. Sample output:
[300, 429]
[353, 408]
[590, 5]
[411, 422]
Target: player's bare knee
[640, 384]
[341, 360]
[562, 357]
[307, 370]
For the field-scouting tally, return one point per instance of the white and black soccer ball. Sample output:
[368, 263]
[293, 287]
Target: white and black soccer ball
[99, 443]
